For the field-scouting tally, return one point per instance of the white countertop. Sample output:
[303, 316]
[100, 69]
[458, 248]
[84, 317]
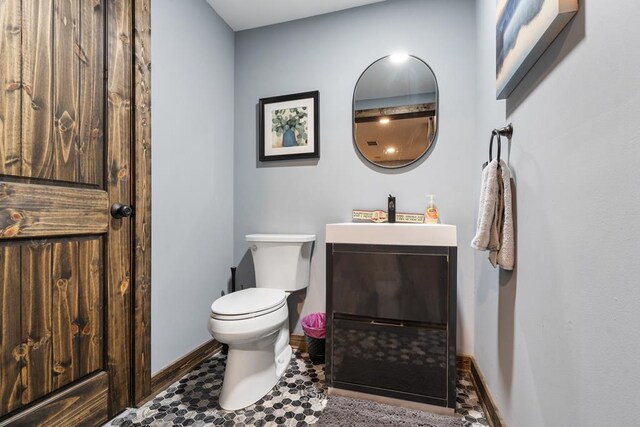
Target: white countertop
[392, 234]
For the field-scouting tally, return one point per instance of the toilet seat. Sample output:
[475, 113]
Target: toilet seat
[248, 303]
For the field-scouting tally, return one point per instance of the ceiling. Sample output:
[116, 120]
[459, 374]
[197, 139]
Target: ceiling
[409, 138]
[246, 14]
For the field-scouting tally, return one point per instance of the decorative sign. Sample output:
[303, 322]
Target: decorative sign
[381, 216]
[410, 218]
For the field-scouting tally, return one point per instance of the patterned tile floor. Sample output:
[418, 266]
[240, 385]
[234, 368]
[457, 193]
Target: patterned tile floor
[297, 400]
[468, 403]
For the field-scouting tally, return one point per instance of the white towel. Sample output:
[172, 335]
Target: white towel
[496, 213]
[486, 211]
[495, 235]
[506, 254]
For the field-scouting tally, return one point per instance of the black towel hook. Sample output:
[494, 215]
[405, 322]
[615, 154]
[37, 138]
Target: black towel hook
[493, 135]
[506, 131]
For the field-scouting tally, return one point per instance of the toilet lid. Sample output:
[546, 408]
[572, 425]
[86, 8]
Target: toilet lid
[248, 301]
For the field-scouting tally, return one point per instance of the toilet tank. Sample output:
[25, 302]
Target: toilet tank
[281, 261]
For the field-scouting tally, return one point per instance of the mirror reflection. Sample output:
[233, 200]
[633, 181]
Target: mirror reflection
[395, 106]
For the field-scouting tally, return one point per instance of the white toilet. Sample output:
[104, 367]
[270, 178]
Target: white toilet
[254, 322]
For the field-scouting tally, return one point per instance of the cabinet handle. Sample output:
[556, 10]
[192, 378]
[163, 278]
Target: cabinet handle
[377, 322]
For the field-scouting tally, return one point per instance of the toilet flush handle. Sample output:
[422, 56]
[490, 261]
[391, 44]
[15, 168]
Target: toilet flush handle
[254, 248]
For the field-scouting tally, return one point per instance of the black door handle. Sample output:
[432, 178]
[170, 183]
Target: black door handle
[120, 211]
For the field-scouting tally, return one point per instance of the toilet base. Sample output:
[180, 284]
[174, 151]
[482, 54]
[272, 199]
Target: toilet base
[283, 349]
[251, 372]
[282, 362]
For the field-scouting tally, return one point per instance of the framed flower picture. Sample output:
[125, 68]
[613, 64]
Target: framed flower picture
[290, 127]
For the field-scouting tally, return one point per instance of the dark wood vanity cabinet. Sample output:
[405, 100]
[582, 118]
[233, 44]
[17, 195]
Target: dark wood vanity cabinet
[391, 321]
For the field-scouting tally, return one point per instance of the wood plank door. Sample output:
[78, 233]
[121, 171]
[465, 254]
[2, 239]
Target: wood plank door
[65, 261]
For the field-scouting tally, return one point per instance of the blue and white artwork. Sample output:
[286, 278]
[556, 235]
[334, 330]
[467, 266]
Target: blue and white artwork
[289, 127]
[524, 30]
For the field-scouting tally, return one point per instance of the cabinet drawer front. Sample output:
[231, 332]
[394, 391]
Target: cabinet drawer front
[399, 286]
[407, 359]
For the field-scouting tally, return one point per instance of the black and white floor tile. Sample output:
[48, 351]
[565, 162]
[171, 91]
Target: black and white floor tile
[297, 400]
[468, 403]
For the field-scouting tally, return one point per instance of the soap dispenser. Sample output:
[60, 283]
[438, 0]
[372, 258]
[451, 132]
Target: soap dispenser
[391, 209]
[431, 215]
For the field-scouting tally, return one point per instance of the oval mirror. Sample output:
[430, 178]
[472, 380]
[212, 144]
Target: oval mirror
[395, 110]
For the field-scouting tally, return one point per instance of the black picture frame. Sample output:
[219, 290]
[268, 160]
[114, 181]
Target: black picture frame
[298, 126]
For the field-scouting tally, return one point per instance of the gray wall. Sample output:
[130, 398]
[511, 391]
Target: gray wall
[328, 53]
[558, 339]
[193, 74]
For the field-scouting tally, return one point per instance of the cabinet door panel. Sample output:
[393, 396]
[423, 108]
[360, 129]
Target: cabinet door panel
[399, 286]
[405, 359]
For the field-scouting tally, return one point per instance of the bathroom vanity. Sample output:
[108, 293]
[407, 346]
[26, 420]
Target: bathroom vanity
[391, 311]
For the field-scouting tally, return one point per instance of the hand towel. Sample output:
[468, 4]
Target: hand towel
[495, 216]
[495, 235]
[506, 254]
[486, 210]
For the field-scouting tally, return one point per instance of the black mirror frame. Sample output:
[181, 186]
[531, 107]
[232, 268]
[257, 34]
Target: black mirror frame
[353, 117]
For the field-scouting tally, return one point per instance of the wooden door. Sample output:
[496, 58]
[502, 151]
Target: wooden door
[65, 159]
